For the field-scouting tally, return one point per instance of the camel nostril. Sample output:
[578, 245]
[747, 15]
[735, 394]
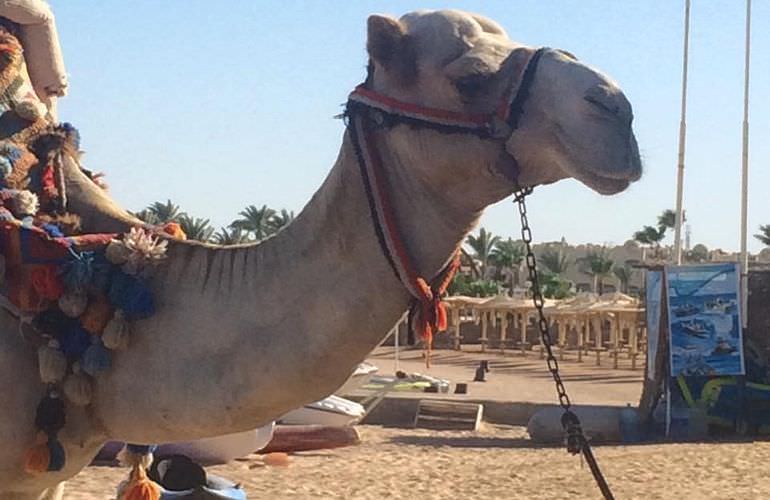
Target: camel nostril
[609, 101]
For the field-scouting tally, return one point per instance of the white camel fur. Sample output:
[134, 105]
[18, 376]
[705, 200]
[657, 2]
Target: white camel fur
[243, 334]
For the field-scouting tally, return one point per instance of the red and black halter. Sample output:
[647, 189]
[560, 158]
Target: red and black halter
[368, 110]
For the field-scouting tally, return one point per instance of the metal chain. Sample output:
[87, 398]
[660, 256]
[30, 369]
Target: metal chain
[576, 440]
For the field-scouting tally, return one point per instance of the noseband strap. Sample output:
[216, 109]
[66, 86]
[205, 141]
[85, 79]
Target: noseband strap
[367, 109]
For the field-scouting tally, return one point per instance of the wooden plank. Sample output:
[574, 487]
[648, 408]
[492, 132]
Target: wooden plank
[448, 415]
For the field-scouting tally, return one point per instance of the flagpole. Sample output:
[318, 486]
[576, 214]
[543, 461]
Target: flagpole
[745, 174]
[682, 135]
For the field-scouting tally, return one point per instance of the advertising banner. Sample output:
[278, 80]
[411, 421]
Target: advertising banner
[704, 315]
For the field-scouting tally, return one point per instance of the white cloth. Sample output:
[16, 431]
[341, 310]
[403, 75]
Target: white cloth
[42, 51]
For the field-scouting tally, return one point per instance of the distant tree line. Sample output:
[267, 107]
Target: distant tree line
[254, 223]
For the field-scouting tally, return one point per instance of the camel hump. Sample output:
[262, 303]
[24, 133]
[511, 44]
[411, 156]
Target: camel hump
[37, 33]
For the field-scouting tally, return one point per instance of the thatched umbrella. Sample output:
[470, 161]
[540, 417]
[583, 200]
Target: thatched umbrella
[456, 304]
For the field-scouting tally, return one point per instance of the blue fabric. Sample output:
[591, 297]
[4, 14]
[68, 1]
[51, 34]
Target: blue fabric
[74, 341]
[131, 295]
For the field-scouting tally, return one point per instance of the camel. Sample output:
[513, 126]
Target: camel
[243, 334]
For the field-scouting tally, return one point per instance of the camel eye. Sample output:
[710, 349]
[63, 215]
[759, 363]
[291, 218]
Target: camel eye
[470, 86]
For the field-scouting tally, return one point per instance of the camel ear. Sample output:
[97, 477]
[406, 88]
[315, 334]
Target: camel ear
[385, 39]
[390, 46]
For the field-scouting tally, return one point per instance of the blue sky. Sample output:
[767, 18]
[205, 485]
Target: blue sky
[217, 105]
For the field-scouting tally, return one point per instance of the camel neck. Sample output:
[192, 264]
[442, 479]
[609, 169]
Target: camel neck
[303, 308]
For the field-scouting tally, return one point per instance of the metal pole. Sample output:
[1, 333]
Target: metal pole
[396, 332]
[745, 174]
[682, 134]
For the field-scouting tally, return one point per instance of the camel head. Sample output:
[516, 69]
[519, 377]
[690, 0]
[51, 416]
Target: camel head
[575, 121]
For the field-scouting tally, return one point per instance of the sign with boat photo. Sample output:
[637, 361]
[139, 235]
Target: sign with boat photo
[705, 320]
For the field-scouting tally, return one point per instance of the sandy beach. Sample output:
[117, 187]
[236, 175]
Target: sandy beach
[496, 462]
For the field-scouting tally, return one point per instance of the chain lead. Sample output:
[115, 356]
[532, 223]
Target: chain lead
[575, 439]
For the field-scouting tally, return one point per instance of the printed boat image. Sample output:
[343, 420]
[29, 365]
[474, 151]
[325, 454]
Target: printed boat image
[694, 328]
[686, 310]
[720, 306]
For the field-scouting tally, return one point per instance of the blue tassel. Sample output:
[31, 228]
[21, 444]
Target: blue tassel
[58, 458]
[77, 273]
[52, 230]
[74, 341]
[96, 359]
[132, 296]
[100, 281]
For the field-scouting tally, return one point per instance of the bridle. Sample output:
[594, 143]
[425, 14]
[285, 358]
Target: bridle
[368, 110]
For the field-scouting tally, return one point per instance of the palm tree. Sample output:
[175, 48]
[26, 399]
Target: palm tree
[280, 220]
[507, 256]
[255, 220]
[147, 216]
[165, 212]
[667, 219]
[764, 235]
[554, 261]
[624, 274]
[598, 265]
[195, 228]
[650, 237]
[230, 237]
[482, 246]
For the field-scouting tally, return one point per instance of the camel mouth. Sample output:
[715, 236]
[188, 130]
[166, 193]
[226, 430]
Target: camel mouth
[610, 183]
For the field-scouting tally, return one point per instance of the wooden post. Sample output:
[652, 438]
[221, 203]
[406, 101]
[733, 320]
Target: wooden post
[616, 341]
[455, 315]
[503, 330]
[578, 330]
[483, 338]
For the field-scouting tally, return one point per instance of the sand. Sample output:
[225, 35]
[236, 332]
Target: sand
[496, 462]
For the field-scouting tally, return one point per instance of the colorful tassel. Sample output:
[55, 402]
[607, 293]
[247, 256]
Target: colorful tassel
[52, 363]
[139, 486]
[48, 453]
[131, 295]
[77, 387]
[96, 359]
[96, 316]
[174, 230]
[117, 332]
[78, 272]
[25, 203]
[49, 416]
[74, 341]
[53, 322]
[73, 302]
[57, 457]
[117, 253]
[37, 458]
[146, 251]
